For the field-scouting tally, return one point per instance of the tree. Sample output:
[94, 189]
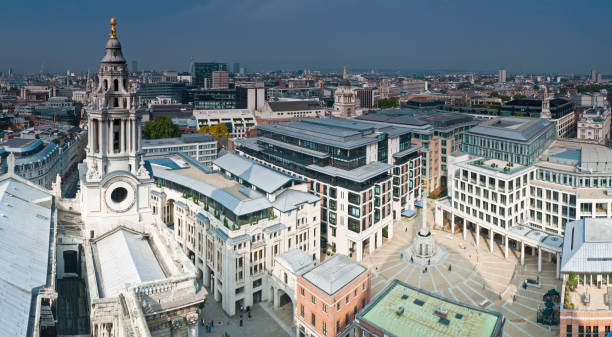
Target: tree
[218, 131]
[4, 125]
[464, 85]
[387, 103]
[518, 96]
[161, 127]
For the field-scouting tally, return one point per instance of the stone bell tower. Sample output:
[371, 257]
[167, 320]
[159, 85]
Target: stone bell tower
[114, 182]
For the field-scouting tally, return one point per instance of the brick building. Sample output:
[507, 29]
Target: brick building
[330, 295]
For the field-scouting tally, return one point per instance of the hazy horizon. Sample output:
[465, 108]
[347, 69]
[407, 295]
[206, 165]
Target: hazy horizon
[267, 35]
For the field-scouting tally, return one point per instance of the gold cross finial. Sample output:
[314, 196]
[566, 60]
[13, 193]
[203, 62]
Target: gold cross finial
[113, 32]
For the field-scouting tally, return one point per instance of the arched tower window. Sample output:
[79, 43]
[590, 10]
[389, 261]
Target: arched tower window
[115, 102]
[105, 85]
[116, 85]
[125, 84]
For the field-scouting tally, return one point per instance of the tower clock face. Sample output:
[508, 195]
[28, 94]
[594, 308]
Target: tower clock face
[119, 196]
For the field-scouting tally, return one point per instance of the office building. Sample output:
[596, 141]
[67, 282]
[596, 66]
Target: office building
[413, 85]
[41, 159]
[212, 99]
[294, 93]
[512, 139]
[366, 174]
[329, 297]
[148, 92]
[199, 146]
[586, 269]
[238, 121]
[439, 133]
[590, 99]
[220, 79]
[252, 97]
[134, 66]
[289, 110]
[594, 125]
[233, 221]
[404, 310]
[501, 76]
[202, 72]
[366, 97]
[236, 68]
[594, 76]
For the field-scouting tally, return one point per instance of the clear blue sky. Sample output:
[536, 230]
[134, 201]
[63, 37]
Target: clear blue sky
[521, 36]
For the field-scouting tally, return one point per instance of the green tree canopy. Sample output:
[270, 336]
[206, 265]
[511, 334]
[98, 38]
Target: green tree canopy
[387, 103]
[161, 127]
[518, 96]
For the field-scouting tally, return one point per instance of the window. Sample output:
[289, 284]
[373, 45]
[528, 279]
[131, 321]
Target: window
[568, 330]
[338, 306]
[324, 329]
[338, 328]
[313, 299]
[302, 291]
[313, 319]
[347, 299]
[355, 293]
[302, 310]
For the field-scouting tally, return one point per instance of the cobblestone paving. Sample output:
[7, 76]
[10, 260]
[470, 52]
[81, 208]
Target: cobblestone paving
[478, 277]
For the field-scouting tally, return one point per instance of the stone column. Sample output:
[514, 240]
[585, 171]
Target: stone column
[558, 266]
[193, 330]
[379, 241]
[390, 231]
[100, 133]
[111, 136]
[122, 137]
[477, 235]
[522, 253]
[359, 251]
[491, 236]
[539, 260]
[452, 223]
[506, 247]
[373, 242]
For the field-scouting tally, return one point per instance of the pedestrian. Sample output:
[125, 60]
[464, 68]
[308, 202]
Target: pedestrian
[428, 262]
[411, 260]
[249, 314]
[449, 267]
[240, 320]
[538, 279]
[212, 323]
[401, 255]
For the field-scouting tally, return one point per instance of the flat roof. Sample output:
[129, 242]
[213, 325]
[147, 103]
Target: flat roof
[335, 273]
[419, 316]
[522, 129]
[336, 132]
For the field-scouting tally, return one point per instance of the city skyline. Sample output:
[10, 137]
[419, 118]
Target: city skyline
[280, 35]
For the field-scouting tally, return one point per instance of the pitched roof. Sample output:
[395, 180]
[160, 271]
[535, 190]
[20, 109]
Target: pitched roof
[290, 199]
[296, 260]
[125, 258]
[264, 178]
[335, 273]
[25, 234]
[587, 246]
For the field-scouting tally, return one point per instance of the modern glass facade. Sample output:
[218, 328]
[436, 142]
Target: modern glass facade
[202, 72]
[524, 153]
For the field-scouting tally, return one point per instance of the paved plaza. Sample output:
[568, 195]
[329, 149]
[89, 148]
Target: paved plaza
[477, 277]
[264, 322]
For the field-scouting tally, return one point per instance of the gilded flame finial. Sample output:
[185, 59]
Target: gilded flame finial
[113, 32]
